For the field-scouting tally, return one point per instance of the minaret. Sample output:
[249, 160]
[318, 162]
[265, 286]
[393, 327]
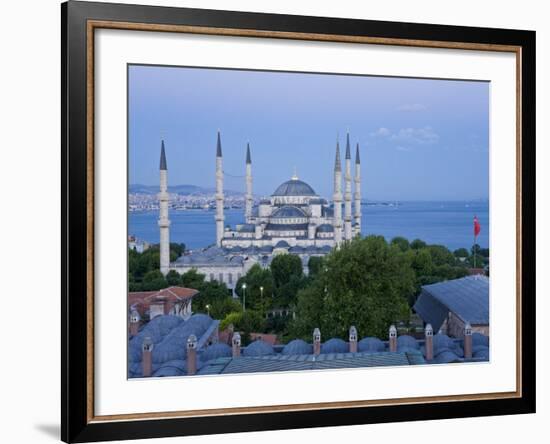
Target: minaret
[347, 195]
[248, 207]
[164, 222]
[337, 197]
[357, 196]
[219, 193]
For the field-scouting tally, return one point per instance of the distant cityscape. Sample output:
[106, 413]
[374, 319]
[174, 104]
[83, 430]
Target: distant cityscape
[191, 197]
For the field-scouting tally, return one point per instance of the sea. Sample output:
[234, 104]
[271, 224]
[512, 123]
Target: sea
[435, 222]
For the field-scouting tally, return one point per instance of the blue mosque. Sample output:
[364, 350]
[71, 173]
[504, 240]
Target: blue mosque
[293, 220]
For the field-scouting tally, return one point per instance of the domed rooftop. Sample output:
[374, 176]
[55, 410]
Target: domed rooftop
[446, 357]
[258, 348]
[370, 344]
[215, 351]
[294, 187]
[282, 244]
[288, 211]
[334, 345]
[406, 342]
[297, 347]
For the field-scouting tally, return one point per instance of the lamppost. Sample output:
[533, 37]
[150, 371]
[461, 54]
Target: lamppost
[262, 297]
[244, 296]
[208, 309]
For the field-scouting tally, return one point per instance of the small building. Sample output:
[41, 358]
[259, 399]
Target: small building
[172, 300]
[137, 245]
[449, 305]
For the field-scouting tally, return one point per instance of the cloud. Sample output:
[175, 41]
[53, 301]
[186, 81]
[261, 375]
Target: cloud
[411, 107]
[420, 136]
[381, 132]
[402, 148]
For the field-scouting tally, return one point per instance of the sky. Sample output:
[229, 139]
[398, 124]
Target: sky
[419, 139]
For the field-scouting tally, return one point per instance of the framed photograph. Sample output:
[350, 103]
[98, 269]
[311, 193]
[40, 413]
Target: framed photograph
[275, 221]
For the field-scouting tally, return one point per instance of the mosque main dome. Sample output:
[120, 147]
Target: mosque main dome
[294, 187]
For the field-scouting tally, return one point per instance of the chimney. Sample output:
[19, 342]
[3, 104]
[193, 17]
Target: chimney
[134, 323]
[146, 357]
[236, 343]
[393, 339]
[352, 339]
[316, 342]
[467, 341]
[429, 343]
[191, 355]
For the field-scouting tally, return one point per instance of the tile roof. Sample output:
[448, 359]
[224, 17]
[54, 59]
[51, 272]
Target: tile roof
[143, 299]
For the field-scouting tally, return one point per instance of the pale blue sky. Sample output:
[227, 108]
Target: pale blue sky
[419, 139]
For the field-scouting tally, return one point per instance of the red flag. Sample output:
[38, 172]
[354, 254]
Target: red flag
[477, 227]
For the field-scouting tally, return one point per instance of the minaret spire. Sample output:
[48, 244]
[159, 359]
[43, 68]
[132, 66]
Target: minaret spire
[248, 197]
[162, 157]
[347, 195]
[219, 192]
[337, 198]
[164, 221]
[357, 196]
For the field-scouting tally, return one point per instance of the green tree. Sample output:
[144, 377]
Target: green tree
[401, 242]
[441, 255]
[245, 323]
[314, 265]
[192, 279]
[461, 253]
[288, 278]
[221, 307]
[153, 280]
[366, 283]
[418, 244]
[259, 288]
[210, 293]
[173, 278]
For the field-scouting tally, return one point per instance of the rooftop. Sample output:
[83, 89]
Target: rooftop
[467, 297]
[294, 187]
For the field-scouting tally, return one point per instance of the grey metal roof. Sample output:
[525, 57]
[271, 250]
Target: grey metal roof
[280, 362]
[467, 297]
[357, 158]
[288, 211]
[162, 157]
[348, 149]
[294, 187]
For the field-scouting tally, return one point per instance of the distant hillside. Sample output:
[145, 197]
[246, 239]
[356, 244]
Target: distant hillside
[178, 189]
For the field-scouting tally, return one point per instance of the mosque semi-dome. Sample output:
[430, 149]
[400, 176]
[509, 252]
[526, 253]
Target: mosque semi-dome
[288, 211]
[294, 187]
